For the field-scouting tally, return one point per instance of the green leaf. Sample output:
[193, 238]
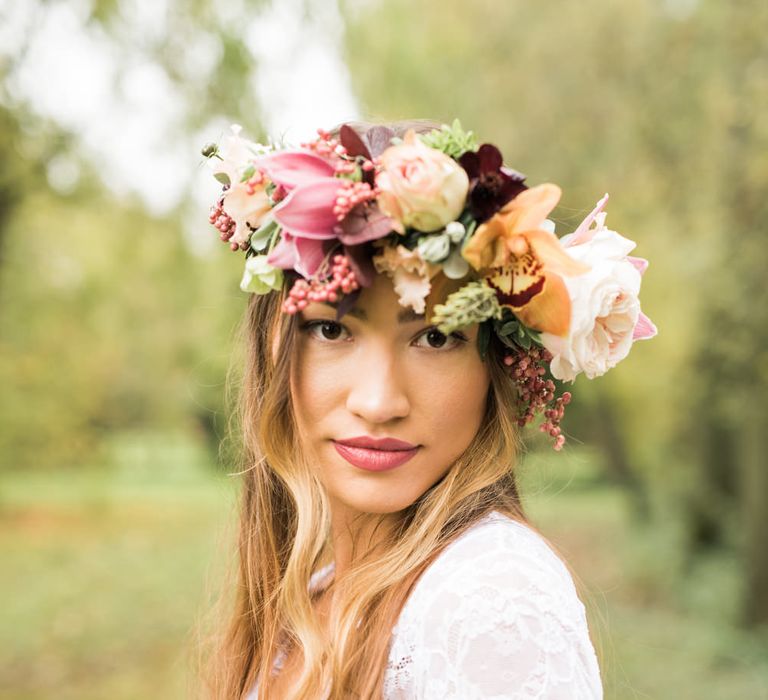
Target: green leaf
[223, 178]
[509, 342]
[248, 173]
[261, 237]
[509, 327]
[483, 338]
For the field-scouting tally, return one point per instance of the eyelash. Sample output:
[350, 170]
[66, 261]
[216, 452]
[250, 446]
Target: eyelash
[309, 326]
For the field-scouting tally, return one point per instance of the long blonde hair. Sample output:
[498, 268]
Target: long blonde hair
[284, 532]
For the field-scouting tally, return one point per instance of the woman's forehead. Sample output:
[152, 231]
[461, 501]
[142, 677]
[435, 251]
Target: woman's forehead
[401, 315]
[378, 303]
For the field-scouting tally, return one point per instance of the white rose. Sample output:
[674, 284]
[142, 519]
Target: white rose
[604, 308]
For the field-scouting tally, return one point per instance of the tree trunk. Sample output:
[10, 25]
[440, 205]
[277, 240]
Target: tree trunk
[618, 462]
[754, 494]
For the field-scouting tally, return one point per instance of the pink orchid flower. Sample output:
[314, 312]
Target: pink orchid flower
[306, 214]
[305, 255]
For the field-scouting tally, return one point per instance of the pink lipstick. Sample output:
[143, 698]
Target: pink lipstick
[374, 454]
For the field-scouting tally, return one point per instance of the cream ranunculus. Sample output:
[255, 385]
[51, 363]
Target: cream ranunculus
[410, 274]
[246, 203]
[420, 187]
[604, 307]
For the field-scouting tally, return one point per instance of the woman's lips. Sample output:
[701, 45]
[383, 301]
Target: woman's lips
[375, 455]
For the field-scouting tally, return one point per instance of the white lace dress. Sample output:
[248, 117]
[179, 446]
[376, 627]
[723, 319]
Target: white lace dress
[495, 617]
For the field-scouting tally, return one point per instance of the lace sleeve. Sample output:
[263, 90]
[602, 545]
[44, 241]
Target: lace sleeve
[496, 617]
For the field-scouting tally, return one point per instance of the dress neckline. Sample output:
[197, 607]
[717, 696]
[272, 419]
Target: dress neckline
[319, 579]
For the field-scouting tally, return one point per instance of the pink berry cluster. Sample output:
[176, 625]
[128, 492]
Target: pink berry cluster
[326, 146]
[350, 195]
[535, 393]
[278, 194]
[322, 287]
[330, 148]
[346, 167]
[223, 222]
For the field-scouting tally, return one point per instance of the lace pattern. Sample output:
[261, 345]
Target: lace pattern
[496, 616]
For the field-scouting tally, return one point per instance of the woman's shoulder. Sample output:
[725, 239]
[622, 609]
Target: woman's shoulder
[498, 545]
[497, 609]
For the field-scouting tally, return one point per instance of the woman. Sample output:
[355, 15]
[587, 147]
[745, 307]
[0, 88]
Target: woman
[383, 550]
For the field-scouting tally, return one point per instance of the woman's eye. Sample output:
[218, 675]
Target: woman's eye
[433, 338]
[325, 330]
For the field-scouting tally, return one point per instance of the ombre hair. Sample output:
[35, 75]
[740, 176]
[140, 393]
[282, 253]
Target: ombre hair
[284, 529]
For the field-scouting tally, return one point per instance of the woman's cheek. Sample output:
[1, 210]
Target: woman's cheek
[320, 383]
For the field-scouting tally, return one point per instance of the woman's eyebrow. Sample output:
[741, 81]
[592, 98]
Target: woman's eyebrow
[408, 316]
[405, 316]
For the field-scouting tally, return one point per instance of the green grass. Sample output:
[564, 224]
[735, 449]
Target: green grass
[104, 573]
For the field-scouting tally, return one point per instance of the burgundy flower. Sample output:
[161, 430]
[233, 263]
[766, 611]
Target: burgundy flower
[491, 185]
[368, 145]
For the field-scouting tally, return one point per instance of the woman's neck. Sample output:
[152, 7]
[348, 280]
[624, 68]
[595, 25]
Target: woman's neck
[355, 534]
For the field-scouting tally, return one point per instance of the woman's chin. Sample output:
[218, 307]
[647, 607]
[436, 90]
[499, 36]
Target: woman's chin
[376, 501]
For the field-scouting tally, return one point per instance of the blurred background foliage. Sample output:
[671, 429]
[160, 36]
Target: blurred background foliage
[117, 320]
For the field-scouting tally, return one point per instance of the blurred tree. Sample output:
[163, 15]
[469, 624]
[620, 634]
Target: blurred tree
[116, 324]
[109, 329]
[730, 425]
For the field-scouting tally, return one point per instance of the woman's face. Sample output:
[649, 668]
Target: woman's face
[383, 373]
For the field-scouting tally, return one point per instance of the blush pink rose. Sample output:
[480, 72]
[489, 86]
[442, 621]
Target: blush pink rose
[420, 187]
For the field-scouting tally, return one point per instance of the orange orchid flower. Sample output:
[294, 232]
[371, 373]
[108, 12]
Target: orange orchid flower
[524, 263]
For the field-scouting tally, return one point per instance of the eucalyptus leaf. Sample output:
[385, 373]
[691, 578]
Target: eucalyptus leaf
[508, 341]
[483, 338]
[223, 178]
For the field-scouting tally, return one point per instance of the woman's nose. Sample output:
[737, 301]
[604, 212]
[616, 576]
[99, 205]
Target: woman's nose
[378, 389]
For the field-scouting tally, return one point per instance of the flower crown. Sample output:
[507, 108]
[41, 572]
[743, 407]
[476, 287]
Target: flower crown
[435, 212]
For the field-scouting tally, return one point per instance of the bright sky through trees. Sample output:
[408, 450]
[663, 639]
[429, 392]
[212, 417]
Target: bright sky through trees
[121, 104]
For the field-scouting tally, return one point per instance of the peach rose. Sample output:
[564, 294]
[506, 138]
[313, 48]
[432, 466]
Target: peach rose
[420, 187]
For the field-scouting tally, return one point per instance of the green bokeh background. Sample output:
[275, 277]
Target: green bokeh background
[116, 502]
